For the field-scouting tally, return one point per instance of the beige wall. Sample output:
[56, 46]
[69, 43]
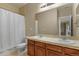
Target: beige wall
[21, 10]
[10, 8]
[29, 13]
[47, 22]
[77, 11]
[65, 11]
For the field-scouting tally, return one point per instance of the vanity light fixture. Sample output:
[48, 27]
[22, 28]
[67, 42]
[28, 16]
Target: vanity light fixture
[46, 5]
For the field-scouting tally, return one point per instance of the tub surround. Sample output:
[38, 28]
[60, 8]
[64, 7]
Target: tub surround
[46, 43]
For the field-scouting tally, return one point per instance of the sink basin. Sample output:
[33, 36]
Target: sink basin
[42, 37]
[67, 41]
[59, 40]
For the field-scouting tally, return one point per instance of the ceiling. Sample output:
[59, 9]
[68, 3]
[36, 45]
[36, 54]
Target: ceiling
[17, 4]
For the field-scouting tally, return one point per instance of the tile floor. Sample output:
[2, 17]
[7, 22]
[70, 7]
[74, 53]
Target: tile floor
[12, 52]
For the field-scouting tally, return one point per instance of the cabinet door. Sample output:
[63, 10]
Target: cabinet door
[39, 51]
[53, 53]
[30, 50]
[71, 52]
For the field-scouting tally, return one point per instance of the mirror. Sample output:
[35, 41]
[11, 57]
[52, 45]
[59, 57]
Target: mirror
[77, 20]
[56, 21]
[65, 26]
[65, 20]
[47, 22]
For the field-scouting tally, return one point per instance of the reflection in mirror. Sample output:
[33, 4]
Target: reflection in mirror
[65, 25]
[47, 22]
[77, 25]
[77, 20]
[55, 22]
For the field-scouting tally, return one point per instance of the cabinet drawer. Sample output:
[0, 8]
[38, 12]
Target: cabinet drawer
[53, 53]
[71, 52]
[30, 42]
[54, 47]
[40, 44]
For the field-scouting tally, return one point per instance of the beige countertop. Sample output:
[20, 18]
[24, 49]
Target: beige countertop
[56, 41]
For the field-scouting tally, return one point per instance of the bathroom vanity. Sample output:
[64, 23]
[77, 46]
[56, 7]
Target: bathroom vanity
[51, 47]
[52, 23]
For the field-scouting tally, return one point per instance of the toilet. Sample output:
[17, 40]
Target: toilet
[21, 48]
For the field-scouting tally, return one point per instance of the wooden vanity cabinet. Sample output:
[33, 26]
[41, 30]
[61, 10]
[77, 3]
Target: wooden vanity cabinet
[36, 48]
[70, 52]
[39, 51]
[53, 50]
[39, 48]
[31, 48]
[53, 53]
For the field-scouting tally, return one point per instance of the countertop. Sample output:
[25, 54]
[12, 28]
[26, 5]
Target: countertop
[56, 41]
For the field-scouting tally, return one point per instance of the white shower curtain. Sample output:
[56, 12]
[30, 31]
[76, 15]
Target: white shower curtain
[12, 30]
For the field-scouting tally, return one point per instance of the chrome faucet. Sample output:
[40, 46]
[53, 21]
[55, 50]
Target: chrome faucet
[63, 38]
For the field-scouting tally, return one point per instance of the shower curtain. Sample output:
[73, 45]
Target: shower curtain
[12, 29]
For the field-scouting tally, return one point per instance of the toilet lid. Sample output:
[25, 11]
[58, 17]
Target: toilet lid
[21, 45]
